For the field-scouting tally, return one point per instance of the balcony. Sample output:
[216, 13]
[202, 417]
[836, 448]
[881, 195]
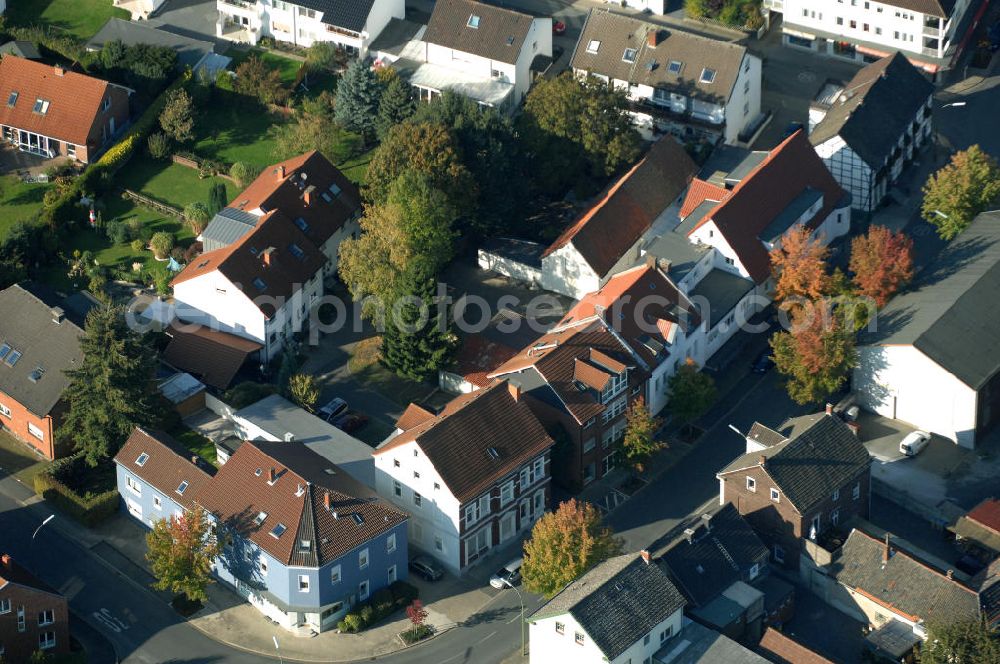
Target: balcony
[241, 4]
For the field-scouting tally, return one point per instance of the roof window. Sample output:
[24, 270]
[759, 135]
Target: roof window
[12, 358]
[182, 487]
[41, 106]
[143, 458]
[296, 250]
[36, 375]
[301, 223]
[492, 451]
[473, 22]
[278, 530]
[4, 349]
[707, 75]
[358, 519]
[259, 284]
[593, 46]
[675, 66]
[259, 519]
[305, 545]
[629, 55]
[12, 99]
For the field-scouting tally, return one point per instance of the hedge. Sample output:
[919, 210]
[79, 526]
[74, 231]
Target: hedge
[89, 511]
[382, 603]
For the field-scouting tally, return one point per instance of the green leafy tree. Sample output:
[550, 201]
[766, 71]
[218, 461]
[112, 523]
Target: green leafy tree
[243, 173]
[395, 106]
[358, 94]
[159, 145]
[818, 353]
[197, 217]
[322, 55]
[640, 441]
[303, 390]
[177, 117]
[417, 341]
[691, 393]
[180, 551]
[316, 131]
[217, 198]
[289, 367]
[965, 641]
[113, 389]
[954, 195]
[254, 78]
[161, 244]
[564, 544]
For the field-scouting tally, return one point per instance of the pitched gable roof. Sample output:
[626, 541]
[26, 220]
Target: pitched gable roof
[782, 649]
[45, 349]
[348, 14]
[811, 465]
[458, 441]
[953, 299]
[12, 572]
[939, 8]
[74, 100]
[498, 34]
[617, 602]
[981, 525]
[765, 193]
[412, 416]
[166, 467]
[699, 192]
[296, 499]
[903, 584]
[878, 105]
[215, 357]
[629, 206]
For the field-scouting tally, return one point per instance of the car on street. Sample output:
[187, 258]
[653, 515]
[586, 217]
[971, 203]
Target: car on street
[914, 443]
[508, 575]
[426, 568]
[332, 409]
[558, 28]
[350, 422]
[763, 363]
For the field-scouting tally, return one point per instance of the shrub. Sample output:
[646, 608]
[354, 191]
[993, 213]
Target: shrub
[159, 145]
[367, 614]
[197, 217]
[116, 232]
[137, 246]
[177, 253]
[383, 601]
[247, 393]
[209, 168]
[350, 623]
[243, 173]
[135, 228]
[146, 234]
[89, 510]
[161, 244]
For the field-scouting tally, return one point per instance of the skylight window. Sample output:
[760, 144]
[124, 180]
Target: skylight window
[259, 283]
[675, 66]
[41, 106]
[593, 46]
[12, 359]
[707, 75]
[4, 349]
[358, 519]
[259, 519]
[36, 375]
[12, 99]
[629, 55]
[296, 251]
[334, 189]
[473, 22]
[327, 197]
[182, 488]
[301, 223]
[278, 530]
[492, 451]
[304, 545]
[143, 458]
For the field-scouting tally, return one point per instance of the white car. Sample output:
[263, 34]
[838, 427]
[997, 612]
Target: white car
[914, 443]
[337, 406]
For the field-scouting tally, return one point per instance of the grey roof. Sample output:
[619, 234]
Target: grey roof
[521, 251]
[617, 602]
[226, 227]
[190, 51]
[951, 316]
[746, 166]
[395, 36]
[692, 220]
[792, 213]
[27, 326]
[878, 105]
[904, 582]
[765, 435]
[720, 552]
[722, 290]
[180, 386]
[616, 33]
[22, 49]
[697, 644]
[682, 253]
[894, 638]
[499, 35]
[277, 416]
[349, 14]
[810, 466]
[728, 607]
[940, 8]
[726, 159]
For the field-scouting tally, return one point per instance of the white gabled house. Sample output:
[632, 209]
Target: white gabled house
[472, 478]
[350, 24]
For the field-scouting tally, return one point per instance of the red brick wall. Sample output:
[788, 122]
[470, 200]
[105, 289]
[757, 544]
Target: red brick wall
[120, 111]
[19, 645]
[17, 424]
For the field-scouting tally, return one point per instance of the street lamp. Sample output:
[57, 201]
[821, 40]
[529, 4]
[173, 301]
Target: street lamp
[941, 214]
[956, 104]
[521, 600]
[47, 519]
[277, 649]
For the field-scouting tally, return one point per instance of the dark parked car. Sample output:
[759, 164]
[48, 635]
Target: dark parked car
[426, 567]
[763, 363]
[350, 422]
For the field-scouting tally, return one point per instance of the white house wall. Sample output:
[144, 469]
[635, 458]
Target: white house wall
[470, 64]
[538, 41]
[509, 267]
[549, 646]
[566, 272]
[900, 382]
[744, 102]
[709, 234]
[381, 13]
[212, 300]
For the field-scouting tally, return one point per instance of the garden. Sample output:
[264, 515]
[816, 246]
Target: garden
[82, 18]
[734, 13]
[18, 201]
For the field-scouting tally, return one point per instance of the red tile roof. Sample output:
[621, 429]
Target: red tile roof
[699, 192]
[765, 192]
[459, 441]
[212, 356]
[74, 99]
[412, 416]
[628, 207]
[167, 466]
[478, 356]
[987, 514]
[783, 650]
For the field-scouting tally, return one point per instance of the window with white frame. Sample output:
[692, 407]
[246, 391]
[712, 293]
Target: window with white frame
[4, 410]
[506, 493]
[390, 543]
[335, 575]
[46, 617]
[666, 633]
[614, 410]
[363, 590]
[133, 485]
[397, 488]
[856, 492]
[157, 503]
[303, 583]
[579, 638]
[589, 444]
[615, 385]
[477, 510]
[836, 495]
[417, 499]
[751, 484]
[20, 619]
[477, 544]
[613, 433]
[35, 431]
[363, 558]
[390, 575]
[775, 496]
[46, 640]
[4, 606]
[560, 628]
[262, 563]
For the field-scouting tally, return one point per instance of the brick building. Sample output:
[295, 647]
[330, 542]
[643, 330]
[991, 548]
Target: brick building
[33, 616]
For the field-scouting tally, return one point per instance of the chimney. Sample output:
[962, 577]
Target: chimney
[289, 437]
[266, 256]
[194, 459]
[645, 556]
[59, 70]
[335, 515]
[5, 559]
[885, 550]
[689, 535]
[272, 476]
[650, 260]
[652, 38]
[855, 428]
[515, 391]
[58, 315]
[762, 460]
[326, 501]
[307, 195]
[280, 171]
[951, 574]
[829, 409]
[706, 520]
[665, 265]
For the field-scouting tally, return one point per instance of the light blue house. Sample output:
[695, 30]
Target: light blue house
[303, 540]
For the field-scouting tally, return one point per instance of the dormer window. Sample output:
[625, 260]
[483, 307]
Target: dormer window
[593, 46]
[305, 545]
[473, 22]
[107, 103]
[296, 250]
[707, 75]
[629, 55]
[41, 106]
[143, 458]
[301, 223]
[259, 519]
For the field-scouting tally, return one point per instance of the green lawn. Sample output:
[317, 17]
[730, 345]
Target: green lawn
[18, 201]
[81, 17]
[168, 182]
[288, 67]
[196, 443]
[357, 168]
[231, 130]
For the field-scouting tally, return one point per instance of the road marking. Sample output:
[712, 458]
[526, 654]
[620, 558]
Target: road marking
[515, 618]
[108, 619]
[443, 661]
[485, 638]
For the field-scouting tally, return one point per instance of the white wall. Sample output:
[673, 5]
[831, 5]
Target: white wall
[211, 299]
[538, 41]
[510, 268]
[549, 646]
[744, 102]
[566, 272]
[468, 63]
[709, 234]
[382, 12]
[902, 383]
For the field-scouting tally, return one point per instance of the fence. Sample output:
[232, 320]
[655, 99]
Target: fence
[192, 161]
[153, 204]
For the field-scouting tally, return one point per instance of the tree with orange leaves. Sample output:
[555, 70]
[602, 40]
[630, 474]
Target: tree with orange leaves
[817, 354]
[882, 263]
[799, 266]
[180, 552]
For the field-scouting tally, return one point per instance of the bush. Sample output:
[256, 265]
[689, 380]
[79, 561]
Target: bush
[247, 393]
[197, 217]
[137, 246]
[159, 145]
[243, 173]
[209, 168]
[415, 634]
[351, 623]
[383, 601]
[89, 510]
[367, 614]
[161, 244]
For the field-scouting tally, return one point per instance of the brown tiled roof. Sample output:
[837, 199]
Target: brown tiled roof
[297, 499]
[987, 514]
[459, 440]
[243, 262]
[616, 32]
[783, 650]
[765, 192]
[699, 192]
[590, 375]
[169, 464]
[554, 357]
[628, 207]
[939, 8]
[74, 99]
[499, 35]
[12, 572]
[412, 416]
[213, 356]
[765, 435]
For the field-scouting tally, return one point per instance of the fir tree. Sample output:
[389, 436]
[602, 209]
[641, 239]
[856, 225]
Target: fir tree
[417, 341]
[358, 100]
[395, 106]
[217, 198]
